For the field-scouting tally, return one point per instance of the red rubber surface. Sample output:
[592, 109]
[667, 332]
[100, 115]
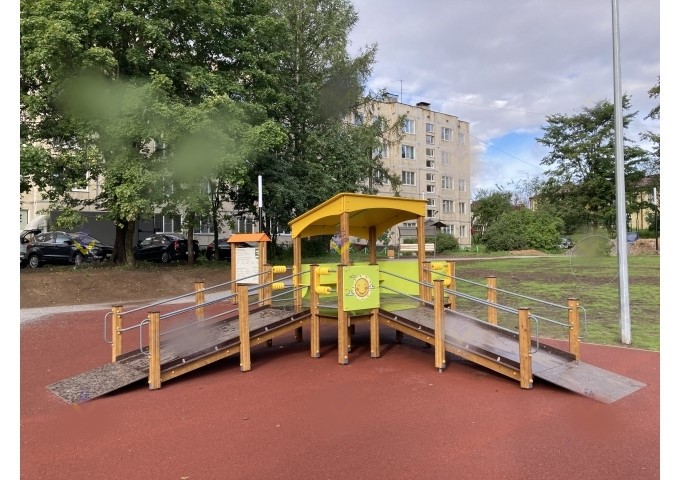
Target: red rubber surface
[297, 417]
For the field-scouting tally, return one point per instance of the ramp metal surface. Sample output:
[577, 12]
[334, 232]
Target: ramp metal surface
[502, 346]
[187, 344]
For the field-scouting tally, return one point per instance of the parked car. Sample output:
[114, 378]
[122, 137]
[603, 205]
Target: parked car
[24, 238]
[62, 247]
[224, 249]
[165, 248]
[566, 242]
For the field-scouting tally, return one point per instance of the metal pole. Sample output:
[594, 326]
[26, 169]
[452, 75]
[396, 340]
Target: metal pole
[656, 221]
[259, 200]
[622, 244]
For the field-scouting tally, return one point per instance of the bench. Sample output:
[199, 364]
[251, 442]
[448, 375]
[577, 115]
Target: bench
[413, 248]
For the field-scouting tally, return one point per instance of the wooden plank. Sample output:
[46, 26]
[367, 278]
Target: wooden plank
[243, 326]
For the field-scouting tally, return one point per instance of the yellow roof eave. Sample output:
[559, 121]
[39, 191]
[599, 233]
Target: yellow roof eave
[364, 211]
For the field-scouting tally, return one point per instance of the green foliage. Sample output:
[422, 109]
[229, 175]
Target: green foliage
[488, 207]
[445, 242]
[523, 229]
[581, 187]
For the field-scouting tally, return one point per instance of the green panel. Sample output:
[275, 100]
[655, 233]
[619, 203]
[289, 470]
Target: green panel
[360, 287]
[391, 273]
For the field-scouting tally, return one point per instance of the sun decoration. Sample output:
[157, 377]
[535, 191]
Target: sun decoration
[362, 287]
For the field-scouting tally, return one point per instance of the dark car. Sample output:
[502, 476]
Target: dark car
[566, 242]
[632, 237]
[224, 249]
[164, 248]
[24, 238]
[62, 247]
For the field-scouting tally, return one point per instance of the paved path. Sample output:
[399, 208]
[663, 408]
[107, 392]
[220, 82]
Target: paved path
[296, 417]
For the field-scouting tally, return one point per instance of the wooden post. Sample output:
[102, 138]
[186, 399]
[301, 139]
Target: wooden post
[439, 349]
[116, 334]
[491, 297]
[420, 232]
[427, 278]
[199, 298]
[343, 322]
[314, 327]
[154, 350]
[267, 277]
[233, 278]
[297, 269]
[574, 327]
[372, 240]
[451, 272]
[525, 368]
[243, 326]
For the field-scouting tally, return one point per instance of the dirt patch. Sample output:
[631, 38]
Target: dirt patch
[644, 246]
[51, 286]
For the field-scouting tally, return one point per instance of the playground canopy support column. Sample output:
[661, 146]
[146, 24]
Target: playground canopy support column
[439, 347]
[314, 321]
[343, 322]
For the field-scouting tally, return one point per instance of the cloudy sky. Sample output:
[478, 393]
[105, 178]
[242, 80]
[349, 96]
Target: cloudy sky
[504, 66]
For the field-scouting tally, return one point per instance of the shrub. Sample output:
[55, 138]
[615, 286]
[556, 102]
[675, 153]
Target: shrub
[445, 242]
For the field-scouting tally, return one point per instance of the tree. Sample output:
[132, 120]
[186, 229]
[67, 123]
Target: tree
[320, 85]
[522, 229]
[187, 52]
[487, 207]
[580, 183]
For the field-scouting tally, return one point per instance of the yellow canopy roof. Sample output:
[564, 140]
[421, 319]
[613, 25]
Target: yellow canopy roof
[364, 211]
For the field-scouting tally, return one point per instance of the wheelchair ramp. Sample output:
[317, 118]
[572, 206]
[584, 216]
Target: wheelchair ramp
[194, 344]
[101, 380]
[492, 345]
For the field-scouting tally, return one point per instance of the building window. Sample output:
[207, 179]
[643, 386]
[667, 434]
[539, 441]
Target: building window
[409, 224]
[431, 213]
[463, 231]
[429, 177]
[429, 139]
[461, 208]
[381, 152]
[461, 139]
[408, 178]
[431, 202]
[447, 182]
[167, 224]
[446, 134]
[408, 151]
[429, 163]
[204, 226]
[430, 189]
[462, 185]
[429, 128]
[445, 158]
[429, 152]
[409, 126]
[447, 206]
[450, 229]
[246, 225]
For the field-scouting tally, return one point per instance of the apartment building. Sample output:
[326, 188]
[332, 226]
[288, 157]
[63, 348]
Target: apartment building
[433, 162]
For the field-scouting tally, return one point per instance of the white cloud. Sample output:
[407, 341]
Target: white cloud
[504, 66]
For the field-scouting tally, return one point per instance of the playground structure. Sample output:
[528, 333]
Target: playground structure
[419, 298]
